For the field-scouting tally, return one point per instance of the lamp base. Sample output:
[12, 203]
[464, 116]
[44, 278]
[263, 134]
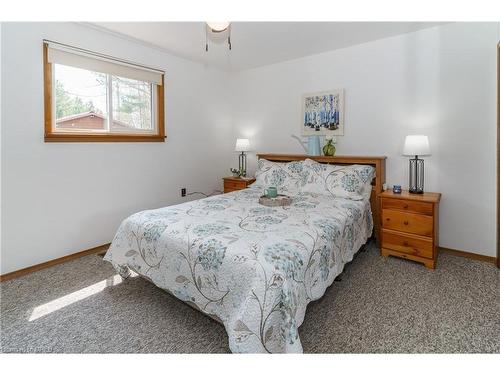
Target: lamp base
[242, 163]
[416, 191]
[416, 183]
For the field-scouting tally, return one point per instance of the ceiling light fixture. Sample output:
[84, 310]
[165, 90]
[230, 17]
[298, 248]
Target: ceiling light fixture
[218, 26]
[218, 32]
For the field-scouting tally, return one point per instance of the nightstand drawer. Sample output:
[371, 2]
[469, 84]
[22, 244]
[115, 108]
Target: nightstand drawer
[407, 222]
[407, 244]
[407, 205]
[235, 184]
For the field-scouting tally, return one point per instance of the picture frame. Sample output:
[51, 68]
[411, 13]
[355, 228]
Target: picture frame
[323, 113]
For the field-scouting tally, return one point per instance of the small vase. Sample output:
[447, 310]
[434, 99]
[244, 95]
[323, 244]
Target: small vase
[329, 149]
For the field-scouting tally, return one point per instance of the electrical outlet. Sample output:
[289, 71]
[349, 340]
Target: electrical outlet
[183, 192]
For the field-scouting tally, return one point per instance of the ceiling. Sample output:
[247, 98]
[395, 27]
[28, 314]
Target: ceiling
[256, 44]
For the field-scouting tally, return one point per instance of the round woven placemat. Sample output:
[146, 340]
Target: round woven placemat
[280, 200]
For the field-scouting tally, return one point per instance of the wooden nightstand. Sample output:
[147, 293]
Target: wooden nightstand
[410, 226]
[236, 183]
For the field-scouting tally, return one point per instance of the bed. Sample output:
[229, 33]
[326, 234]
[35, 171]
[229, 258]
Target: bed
[251, 267]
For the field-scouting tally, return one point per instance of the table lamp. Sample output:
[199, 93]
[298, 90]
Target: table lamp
[242, 145]
[416, 145]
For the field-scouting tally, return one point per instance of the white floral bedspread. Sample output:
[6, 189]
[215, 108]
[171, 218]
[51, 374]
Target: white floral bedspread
[256, 268]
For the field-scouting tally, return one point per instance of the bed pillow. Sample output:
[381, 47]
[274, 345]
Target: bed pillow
[290, 177]
[343, 181]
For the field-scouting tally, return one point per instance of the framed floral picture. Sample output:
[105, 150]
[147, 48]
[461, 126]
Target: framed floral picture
[323, 113]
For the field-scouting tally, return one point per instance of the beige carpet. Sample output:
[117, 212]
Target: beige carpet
[381, 305]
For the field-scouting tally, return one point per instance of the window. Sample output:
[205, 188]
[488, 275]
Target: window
[91, 98]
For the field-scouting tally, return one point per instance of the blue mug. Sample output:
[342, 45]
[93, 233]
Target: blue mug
[271, 192]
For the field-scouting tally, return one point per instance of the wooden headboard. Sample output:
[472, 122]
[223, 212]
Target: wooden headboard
[378, 162]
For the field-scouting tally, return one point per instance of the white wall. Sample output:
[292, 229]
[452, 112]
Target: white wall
[440, 82]
[59, 198]
[1, 52]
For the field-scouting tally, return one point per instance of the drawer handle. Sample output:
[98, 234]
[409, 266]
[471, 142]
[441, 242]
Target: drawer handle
[405, 222]
[405, 206]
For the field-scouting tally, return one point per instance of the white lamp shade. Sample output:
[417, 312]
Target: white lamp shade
[242, 145]
[416, 145]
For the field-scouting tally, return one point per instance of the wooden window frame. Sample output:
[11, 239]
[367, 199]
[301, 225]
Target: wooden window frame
[51, 136]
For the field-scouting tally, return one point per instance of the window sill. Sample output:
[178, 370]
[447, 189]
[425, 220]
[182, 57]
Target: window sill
[58, 137]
